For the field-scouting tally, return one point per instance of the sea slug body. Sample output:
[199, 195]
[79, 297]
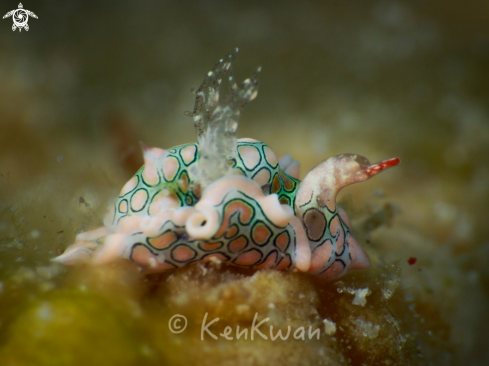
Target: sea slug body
[252, 211]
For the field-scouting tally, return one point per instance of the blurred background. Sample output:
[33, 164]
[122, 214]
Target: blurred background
[89, 80]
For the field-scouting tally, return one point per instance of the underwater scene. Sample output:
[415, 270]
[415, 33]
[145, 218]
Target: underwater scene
[178, 183]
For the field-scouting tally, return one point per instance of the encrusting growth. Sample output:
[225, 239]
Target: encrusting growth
[230, 200]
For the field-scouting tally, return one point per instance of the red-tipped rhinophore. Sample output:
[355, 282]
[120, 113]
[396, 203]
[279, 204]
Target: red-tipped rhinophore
[144, 146]
[373, 169]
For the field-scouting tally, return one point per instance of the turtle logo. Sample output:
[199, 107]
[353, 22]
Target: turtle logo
[20, 17]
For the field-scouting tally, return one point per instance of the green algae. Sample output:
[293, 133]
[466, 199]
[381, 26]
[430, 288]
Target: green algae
[71, 328]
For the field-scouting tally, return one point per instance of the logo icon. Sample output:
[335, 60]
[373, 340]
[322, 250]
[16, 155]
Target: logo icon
[20, 17]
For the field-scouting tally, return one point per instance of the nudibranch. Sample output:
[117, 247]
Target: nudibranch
[230, 200]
